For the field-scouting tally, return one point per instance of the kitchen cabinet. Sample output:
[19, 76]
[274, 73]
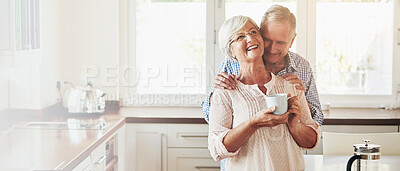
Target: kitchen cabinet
[108, 156]
[172, 147]
[188, 148]
[352, 129]
[191, 159]
[98, 157]
[187, 135]
[95, 161]
[116, 156]
[85, 165]
[146, 147]
[113, 158]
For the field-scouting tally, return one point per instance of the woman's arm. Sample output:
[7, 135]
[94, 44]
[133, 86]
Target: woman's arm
[225, 141]
[305, 136]
[239, 135]
[303, 129]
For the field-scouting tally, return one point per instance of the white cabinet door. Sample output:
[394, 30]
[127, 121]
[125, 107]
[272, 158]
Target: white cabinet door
[146, 147]
[99, 158]
[191, 159]
[121, 139]
[352, 129]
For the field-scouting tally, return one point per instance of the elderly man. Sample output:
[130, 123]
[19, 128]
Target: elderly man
[278, 29]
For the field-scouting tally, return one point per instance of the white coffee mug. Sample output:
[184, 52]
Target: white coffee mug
[280, 101]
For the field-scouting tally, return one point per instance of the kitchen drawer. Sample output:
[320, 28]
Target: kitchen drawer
[191, 159]
[99, 157]
[85, 165]
[187, 135]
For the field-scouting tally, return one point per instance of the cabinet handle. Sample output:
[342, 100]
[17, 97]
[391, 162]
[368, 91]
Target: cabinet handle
[398, 36]
[101, 160]
[207, 167]
[161, 160]
[193, 136]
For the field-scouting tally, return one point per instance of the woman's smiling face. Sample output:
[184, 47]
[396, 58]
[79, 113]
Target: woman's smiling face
[247, 44]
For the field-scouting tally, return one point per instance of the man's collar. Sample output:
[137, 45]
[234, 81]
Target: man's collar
[290, 65]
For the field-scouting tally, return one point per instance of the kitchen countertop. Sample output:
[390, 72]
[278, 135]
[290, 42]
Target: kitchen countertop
[356, 116]
[62, 149]
[335, 116]
[52, 149]
[335, 163]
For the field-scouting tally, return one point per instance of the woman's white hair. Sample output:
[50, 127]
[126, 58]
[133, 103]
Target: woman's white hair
[229, 29]
[279, 14]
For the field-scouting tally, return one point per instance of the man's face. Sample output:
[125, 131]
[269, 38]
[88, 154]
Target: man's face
[277, 41]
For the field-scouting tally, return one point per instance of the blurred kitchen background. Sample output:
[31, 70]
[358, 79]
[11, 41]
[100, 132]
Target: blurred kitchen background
[130, 48]
[155, 61]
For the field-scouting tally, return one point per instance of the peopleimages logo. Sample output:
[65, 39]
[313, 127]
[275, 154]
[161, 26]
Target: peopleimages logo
[162, 85]
[149, 76]
[163, 99]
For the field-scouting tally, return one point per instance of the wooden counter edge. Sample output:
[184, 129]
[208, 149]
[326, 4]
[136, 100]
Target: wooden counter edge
[202, 121]
[361, 122]
[82, 156]
[165, 120]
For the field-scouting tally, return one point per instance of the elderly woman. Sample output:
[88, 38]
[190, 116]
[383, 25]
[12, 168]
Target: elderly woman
[242, 128]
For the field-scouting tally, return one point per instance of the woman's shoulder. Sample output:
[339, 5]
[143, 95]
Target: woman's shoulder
[279, 81]
[221, 95]
[221, 92]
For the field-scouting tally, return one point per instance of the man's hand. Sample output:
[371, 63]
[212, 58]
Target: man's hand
[294, 79]
[265, 118]
[294, 106]
[225, 81]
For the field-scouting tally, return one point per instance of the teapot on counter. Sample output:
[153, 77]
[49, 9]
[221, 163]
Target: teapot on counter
[366, 156]
[84, 99]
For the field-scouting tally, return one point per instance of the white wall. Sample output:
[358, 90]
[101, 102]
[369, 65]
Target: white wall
[77, 37]
[91, 46]
[52, 23]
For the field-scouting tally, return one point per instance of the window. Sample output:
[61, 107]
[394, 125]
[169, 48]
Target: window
[169, 52]
[354, 49]
[27, 25]
[21, 27]
[20, 32]
[171, 46]
[255, 9]
[349, 43]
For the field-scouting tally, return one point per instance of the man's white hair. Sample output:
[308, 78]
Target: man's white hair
[279, 14]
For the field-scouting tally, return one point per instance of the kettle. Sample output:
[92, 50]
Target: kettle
[84, 99]
[366, 156]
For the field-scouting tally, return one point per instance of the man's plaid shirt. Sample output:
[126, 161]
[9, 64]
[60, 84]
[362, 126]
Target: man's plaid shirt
[294, 64]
